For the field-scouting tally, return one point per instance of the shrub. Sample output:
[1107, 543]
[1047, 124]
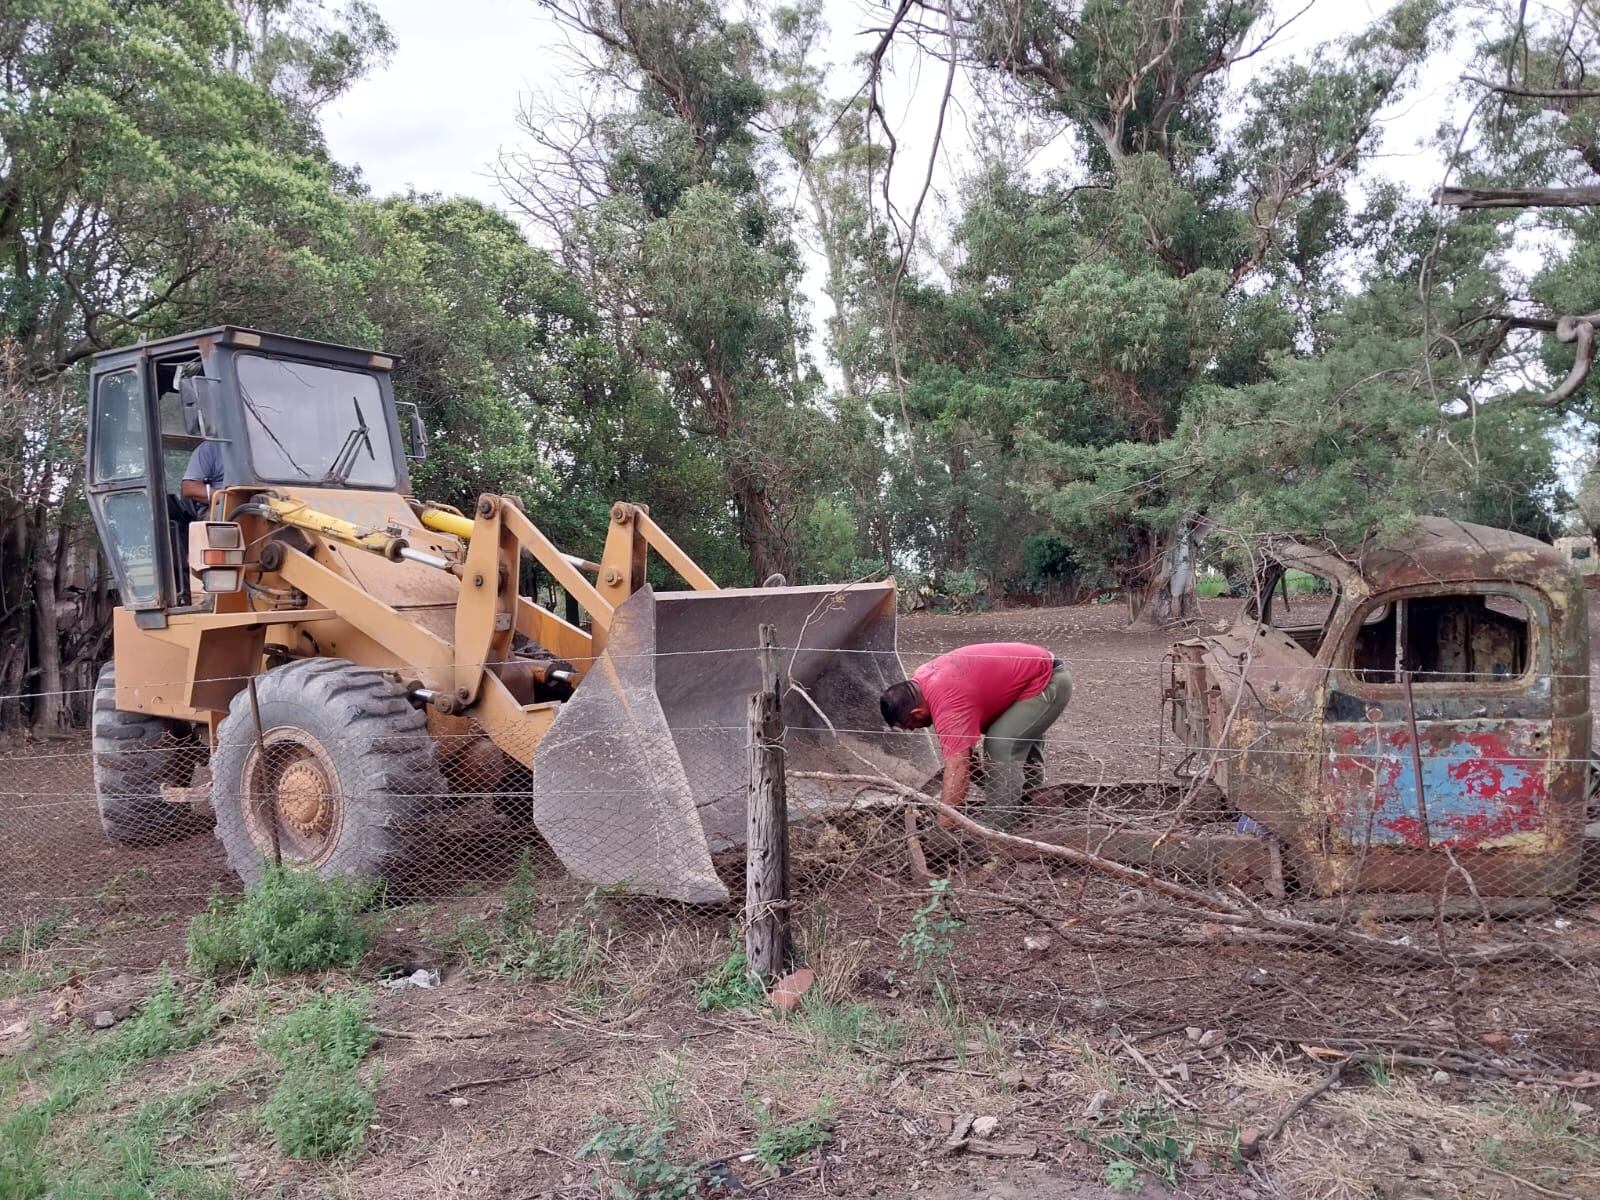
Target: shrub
[322, 1104]
[289, 921]
[777, 1145]
[727, 982]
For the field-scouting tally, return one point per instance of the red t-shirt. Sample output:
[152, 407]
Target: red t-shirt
[968, 688]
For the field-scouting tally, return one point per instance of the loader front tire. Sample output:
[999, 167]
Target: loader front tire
[344, 771]
[135, 754]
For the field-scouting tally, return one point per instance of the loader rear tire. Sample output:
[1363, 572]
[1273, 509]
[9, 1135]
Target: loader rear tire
[344, 773]
[135, 754]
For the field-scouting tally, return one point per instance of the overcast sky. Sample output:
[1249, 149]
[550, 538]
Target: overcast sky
[438, 115]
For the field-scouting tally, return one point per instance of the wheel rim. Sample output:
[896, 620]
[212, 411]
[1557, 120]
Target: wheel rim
[293, 804]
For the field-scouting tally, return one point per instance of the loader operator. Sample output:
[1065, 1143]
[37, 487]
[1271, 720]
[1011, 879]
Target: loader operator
[203, 474]
[1002, 694]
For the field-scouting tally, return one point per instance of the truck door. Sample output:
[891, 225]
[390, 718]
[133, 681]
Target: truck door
[1470, 667]
[124, 487]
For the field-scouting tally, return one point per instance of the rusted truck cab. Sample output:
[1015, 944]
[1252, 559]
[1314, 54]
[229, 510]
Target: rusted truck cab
[1422, 713]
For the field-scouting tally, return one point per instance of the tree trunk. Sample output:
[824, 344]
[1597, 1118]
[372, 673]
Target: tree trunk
[956, 534]
[50, 714]
[1169, 597]
[16, 626]
[768, 548]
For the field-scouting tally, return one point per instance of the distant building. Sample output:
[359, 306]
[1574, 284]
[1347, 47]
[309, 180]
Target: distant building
[1581, 552]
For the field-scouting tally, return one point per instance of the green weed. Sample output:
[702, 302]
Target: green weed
[21, 981]
[637, 1157]
[638, 1161]
[289, 921]
[78, 1067]
[1146, 1140]
[1381, 1074]
[835, 1026]
[115, 891]
[515, 945]
[569, 955]
[727, 983]
[521, 911]
[469, 939]
[127, 1162]
[928, 944]
[332, 1027]
[778, 1145]
[322, 1103]
[1494, 1152]
[35, 934]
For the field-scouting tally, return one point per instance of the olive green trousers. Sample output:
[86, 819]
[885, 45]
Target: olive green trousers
[1013, 752]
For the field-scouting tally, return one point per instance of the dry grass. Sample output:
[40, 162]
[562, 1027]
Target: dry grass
[1378, 1129]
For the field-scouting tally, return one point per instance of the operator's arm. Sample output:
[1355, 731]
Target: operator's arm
[957, 779]
[195, 489]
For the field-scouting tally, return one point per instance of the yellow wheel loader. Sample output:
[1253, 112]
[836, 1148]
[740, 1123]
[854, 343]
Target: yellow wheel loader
[358, 662]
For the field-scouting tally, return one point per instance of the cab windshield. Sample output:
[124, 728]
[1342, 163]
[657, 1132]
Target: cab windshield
[314, 424]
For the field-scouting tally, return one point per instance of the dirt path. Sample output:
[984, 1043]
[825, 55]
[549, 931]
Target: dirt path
[1114, 721]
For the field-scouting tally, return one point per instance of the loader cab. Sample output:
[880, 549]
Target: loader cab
[281, 412]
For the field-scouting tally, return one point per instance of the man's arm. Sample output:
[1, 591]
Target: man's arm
[195, 489]
[957, 780]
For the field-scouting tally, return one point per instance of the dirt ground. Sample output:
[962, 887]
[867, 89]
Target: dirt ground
[1209, 1066]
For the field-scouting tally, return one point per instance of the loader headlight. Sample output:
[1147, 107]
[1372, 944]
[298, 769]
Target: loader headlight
[216, 555]
[221, 579]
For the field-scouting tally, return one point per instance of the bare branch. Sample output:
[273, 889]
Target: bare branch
[1534, 93]
[1467, 197]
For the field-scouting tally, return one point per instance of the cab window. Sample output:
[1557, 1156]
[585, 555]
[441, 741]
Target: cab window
[1444, 639]
[120, 429]
[1301, 605]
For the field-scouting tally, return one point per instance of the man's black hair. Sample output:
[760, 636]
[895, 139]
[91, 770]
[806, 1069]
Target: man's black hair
[897, 702]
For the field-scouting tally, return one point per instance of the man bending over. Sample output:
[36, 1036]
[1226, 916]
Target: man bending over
[1003, 694]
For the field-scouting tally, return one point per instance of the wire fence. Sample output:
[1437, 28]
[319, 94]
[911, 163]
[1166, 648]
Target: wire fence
[1353, 878]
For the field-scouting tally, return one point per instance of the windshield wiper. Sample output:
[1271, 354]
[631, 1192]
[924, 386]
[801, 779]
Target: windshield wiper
[345, 462]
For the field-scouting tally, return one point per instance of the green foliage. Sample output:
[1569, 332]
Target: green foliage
[1046, 559]
[827, 542]
[323, 1102]
[521, 910]
[836, 1026]
[471, 939]
[1146, 1140]
[514, 944]
[928, 942]
[20, 981]
[780, 1143]
[727, 983]
[78, 1068]
[569, 955]
[36, 934]
[331, 1028]
[637, 1157]
[288, 921]
[124, 1160]
[639, 1161]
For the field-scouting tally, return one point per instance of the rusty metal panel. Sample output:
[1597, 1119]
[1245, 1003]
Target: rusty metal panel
[1484, 785]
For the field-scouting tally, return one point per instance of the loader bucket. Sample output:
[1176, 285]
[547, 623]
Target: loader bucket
[644, 774]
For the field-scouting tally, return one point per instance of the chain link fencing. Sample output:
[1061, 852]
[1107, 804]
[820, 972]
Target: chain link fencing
[1141, 882]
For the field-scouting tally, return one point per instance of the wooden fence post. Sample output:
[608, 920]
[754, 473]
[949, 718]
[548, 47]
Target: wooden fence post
[766, 879]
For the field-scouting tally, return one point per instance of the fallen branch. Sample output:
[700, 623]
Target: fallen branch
[919, 860]
[411, 1036]
[547, 1069]
[1331, 1077]
[1527, 1183]
[1238, 911]
[1083, 858]
[1170, 1091]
